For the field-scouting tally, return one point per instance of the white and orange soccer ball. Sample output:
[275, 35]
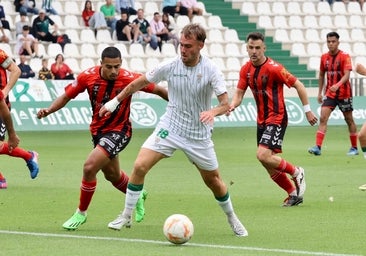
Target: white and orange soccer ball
[178, 229]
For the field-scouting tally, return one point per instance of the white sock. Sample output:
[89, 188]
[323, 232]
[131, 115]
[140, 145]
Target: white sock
[130, 202]
[227, 206]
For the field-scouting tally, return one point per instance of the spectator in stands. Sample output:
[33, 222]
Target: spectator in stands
[146, 36]
[3, 18]
[127, 6]
[47, 5]
[26, 43]
[26, 70]
[45, 73]
[159, 30]
[27, 6]
[41, 25]
[192, 8]
[93, 19]
[169, 23]
[125, 30]
[173, 7]
[109, 12]
[3, 37]
[21, 23]
[60, 69]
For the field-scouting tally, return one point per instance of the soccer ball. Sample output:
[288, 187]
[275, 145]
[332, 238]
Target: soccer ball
[178, 229]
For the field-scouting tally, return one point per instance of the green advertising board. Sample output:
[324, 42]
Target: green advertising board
[28, 96]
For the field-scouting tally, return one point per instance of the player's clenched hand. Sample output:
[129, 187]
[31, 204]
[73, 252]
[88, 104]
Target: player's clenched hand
[312, 119]
[109, 107]
[42, 113]
[231, 109]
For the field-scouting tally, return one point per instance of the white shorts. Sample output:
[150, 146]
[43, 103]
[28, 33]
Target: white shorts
[200, 152]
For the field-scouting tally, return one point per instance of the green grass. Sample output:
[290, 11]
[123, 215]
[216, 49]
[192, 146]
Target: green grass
[32, 211]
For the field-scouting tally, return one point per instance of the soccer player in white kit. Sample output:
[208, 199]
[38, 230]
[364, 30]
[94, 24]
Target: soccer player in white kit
[186, 125]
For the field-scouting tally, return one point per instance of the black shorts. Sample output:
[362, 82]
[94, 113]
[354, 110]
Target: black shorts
[345, 105]
[112, 142]
[271, 136]
[2, 130]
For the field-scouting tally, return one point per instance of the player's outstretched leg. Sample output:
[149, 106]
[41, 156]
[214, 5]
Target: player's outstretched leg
[140, 208]
[33, 165]
[75, 221]
[236, 225]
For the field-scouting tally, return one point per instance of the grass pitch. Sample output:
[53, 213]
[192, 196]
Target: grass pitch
[32, 211]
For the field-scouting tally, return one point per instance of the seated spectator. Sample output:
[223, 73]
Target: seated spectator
[92, 19]
[26, 43]
[127, 6]
[26, 70]
[192, 7]
[109, 12]
[173, 7]
[3, 37]
[125, 30]
[60, 69]
[169, 23]
[145, 35]
[158, 28]
[21, 23]
[27, 6]
[47, 5]
[45, 73]
[41, 25]
[3, 18]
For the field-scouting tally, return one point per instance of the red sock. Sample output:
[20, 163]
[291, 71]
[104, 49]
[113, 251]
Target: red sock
[284, 182]
[87, 189]
[121, 185]
[353, 139]
[286, 167]
[319, 138]
[17, 152]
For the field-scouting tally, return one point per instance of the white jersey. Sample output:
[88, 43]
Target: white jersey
[190, 92]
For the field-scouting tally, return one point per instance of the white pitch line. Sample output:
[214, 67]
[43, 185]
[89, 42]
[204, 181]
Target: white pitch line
[243, 248]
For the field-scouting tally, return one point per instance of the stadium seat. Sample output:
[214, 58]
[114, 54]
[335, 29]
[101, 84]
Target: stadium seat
[279, 8]
[248, 8]
[314, 63]
[73, 35]
[263, 8]
[36, 65]
[357, 35]
[123, 49]
[136, 50]
[9, 7]
[325, 21]
[73, 64]
[353, 7]
[355, 21]
[359, 47]
[215, 35]
[341, 21]
[296, 35]
[308, 8]
[150, 52]
[201, 5]
[200, 20]
[168, 50]
[310, 21]
[181, 21]
[104, 36]
[346, 47]
[295, 21]
[53, 49]
[58, 7]
[323, 7]
[214, 21]
[57, 19]
[220, 63]
[243, 50]
[216, 50]
[338, 7]
[344, 35]
[313, 49]
[137, 65]
[231, 35]
[294, 8]
[86, 63]
[232, 50]
[87, 36]
[71, 51]
[281, 35]
[298, 49]
[204, 50]
[7, 48]
[265, 21]
[233, 64]
[72, 8]
[152, 63]
[41, 50]
[280, 22]
[9, 18]
[312, 35]
[101, 47]
[87, 49]
[71, 22]
[150, 7]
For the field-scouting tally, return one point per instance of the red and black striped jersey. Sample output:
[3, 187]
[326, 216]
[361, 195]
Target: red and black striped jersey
[266, 83]
[335, 67]
[100, 91]
[5, 61]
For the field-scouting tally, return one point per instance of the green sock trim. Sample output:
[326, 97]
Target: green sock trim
[224, 198]
[134, 187]
[363, 149]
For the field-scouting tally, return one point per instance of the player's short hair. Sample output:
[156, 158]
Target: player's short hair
[255, 36]
[333, 34]
[194, 31]
[111, 52]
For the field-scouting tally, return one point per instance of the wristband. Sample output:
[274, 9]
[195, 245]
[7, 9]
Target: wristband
[307, 108]
[111, 105]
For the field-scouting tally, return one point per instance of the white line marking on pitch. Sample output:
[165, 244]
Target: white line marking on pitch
[244, 248]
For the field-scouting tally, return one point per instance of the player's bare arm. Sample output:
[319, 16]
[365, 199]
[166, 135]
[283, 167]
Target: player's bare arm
[343, 80]
[131, 88]
[208, 116]
[14, 73]
[236, 100]
[161, 91]
[57, 104]
[301, 91]
[361, 69]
